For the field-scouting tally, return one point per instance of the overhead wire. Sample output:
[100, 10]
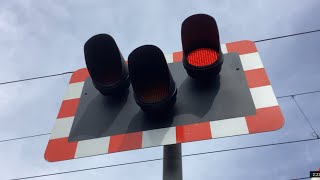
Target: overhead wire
[159, 159]
[69, 72]
[278, 97]
[39, 77]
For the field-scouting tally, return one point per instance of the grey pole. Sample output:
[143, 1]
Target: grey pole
[172, 162]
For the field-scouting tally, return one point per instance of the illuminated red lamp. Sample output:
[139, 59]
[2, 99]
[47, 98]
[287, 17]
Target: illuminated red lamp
[202, 56]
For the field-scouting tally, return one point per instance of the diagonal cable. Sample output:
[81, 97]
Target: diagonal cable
[305, 116]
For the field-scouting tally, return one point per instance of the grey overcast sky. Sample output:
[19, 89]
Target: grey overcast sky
[43, 37]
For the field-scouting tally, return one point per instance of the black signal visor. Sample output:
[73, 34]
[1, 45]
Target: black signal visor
[202, 57]
[105, 64]
[151, 79]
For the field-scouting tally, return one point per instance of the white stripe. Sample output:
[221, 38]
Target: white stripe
[224, 49]
[229, 127]
[159, 137]
[169, 58]
[92, 147]
[251, 61]
[62, 128]
[74, 91]
[263, 97]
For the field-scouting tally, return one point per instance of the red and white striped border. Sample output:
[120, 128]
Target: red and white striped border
[268, 115]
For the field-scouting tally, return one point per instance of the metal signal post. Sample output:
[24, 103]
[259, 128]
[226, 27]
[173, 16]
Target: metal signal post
[172, 162]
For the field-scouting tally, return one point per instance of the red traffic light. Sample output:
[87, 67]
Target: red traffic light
[106, 64]
[202, 56]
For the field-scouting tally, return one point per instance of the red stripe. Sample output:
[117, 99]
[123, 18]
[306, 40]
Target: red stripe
[257, 78]
[193, 132]
[242, 47]
[68, 108]
[265, 119]
[124, 142]
[177, 56]
[79, 75]
[60, 149]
